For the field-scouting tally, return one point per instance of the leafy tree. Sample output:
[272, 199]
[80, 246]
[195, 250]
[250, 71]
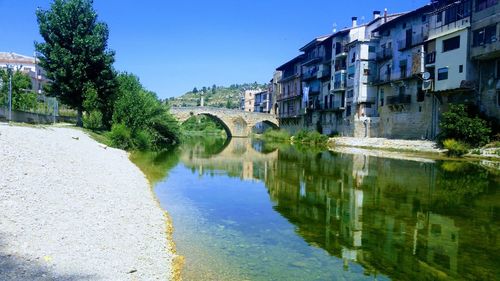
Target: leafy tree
[22, 96]
[195, 90]
[214, 89]
[143, 114]
[457, 123]
[75, 54]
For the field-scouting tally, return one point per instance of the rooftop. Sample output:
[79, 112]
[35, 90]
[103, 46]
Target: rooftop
[14, 58]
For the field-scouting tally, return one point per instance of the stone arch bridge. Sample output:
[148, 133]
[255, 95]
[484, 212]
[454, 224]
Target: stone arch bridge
[237, 123]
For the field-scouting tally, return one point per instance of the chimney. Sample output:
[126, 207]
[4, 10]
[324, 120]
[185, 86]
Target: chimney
[354, 21]
[385, 15]
[376, 15]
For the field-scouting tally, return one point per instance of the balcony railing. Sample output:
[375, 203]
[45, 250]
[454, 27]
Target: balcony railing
[340, 67]
[325, 73]
[385, 54]
[430, 58]
[309, 75]
[339, 85]
[416, 39]
[400, 99]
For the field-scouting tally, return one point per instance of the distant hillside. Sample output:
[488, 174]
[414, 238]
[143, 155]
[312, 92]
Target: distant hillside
[217, 96]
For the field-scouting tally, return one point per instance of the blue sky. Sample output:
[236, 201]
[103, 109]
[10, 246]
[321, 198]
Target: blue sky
[174, 46]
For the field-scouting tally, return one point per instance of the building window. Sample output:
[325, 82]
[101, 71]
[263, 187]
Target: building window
[461, 68]
[485, 35]
[381, 97]
[420, 92]
[439, 17]
[350, 94]
[443, 73]
[402, 90]
[483, 4]
[451, 44]
[348, 110]
[353, 59]
[371, 49]
[498, 69]
[498, 98]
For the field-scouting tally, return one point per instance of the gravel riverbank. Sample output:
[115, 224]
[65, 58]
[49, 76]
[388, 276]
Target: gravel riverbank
[72, 210]
[422, 146]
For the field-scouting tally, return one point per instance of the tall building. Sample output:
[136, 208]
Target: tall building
[289, 97]
[485, 54]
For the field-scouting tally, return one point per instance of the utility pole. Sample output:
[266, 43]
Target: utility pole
[9, 71]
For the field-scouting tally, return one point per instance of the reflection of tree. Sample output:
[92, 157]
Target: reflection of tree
[155, 165]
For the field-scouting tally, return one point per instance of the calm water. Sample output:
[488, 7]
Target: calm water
[245, 210]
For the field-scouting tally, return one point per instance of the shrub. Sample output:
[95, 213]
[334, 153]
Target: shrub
[120, 136]
[455, 148]
[142, 140]
[457, 124]
[93, 120]
[276, 135]
[313, 137]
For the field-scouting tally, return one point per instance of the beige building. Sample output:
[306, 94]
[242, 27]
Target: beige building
[249, 100]
[27, 65]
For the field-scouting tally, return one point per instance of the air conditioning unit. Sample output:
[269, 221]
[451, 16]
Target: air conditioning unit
[427, 85]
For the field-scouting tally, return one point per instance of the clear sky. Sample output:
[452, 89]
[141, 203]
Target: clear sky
[174, 46]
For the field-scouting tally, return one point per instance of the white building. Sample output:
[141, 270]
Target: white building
[27, 65]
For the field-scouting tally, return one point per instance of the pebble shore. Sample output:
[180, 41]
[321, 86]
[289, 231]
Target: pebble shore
[72, 209]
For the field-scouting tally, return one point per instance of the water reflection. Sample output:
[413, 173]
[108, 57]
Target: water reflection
[403, 219]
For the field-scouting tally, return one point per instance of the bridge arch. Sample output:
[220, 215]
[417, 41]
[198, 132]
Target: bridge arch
[236, 123]
[213, 118]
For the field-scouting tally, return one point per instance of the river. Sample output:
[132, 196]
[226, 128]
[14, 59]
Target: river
[247, 210]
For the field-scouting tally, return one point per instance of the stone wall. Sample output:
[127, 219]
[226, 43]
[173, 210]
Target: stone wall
[237, 123]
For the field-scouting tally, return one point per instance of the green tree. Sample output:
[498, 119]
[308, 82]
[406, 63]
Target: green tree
[75, 54]
[459, 124]
[195, 90]
[22, 96]
[143, 114]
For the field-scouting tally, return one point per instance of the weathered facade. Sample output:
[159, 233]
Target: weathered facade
[289, 97]
[485, 55]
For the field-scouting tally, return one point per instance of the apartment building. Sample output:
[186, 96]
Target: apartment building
[289, 97]
[351, 103]
[27, 65]
[401, 103]
[262, 101]
[394, 76]
[248, 100]
[485, 54]
[274, 89]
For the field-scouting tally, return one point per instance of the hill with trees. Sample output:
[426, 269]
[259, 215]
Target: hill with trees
[216, 96]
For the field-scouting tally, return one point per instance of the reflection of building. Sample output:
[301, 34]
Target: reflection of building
[27, 65]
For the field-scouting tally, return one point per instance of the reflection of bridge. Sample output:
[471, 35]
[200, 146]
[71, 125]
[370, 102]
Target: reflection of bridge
[238, 158]
[237, 123]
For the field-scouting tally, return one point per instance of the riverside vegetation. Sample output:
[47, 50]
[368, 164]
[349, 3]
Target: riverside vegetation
[115, 106]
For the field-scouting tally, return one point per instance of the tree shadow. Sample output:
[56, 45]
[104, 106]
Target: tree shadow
[13, 268]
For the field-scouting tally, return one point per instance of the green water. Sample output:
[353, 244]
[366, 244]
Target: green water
[245, 210]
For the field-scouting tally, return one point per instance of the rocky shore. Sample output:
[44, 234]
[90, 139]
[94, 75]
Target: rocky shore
[72, 209]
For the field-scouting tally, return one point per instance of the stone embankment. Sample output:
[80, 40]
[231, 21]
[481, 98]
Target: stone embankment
[72, 209]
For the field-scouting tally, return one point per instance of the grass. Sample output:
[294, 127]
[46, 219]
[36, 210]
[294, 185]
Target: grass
[276, 136]
[311, 137]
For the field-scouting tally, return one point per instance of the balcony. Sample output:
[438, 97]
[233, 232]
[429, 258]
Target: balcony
[339, 86]
[325, 73]
[341, 51]
[398, 100]
[340, 68]
[385, 54]
[382, 79]
[332, 106]
[416, 39]
[430, 58]
[309, 75]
